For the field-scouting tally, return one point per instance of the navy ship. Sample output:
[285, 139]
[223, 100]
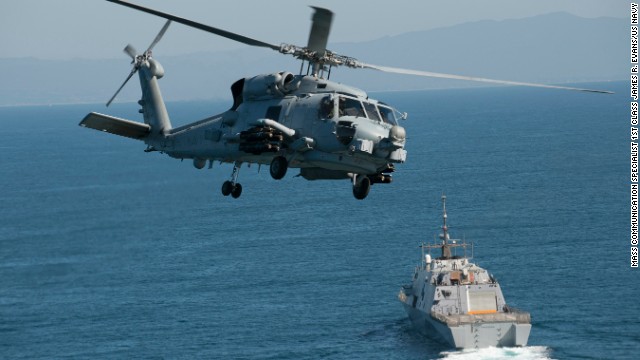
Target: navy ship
[460, 302]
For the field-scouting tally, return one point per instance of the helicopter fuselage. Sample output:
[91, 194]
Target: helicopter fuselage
[327, 129]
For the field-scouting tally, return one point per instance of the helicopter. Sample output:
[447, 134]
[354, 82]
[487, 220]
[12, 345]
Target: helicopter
[330, 131]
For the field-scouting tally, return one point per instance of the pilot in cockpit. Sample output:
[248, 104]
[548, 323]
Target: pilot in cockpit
[326, 108]
[341, 106]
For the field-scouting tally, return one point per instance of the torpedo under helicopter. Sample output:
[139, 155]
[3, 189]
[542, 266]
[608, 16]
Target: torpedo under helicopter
[326, 129]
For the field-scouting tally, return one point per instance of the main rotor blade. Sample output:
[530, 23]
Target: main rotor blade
[133, 71]
[211, 29]
[471, 78]
[320, 28]
[159, 36]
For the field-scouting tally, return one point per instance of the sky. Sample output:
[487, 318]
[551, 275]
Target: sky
[97, 29]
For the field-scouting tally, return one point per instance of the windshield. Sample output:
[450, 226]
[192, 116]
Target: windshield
[372, 113]
[388, 115]
[348, 106]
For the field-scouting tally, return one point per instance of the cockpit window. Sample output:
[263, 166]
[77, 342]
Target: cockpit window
[326, 108]
[387, 115]
[372, 113]
[350, 107]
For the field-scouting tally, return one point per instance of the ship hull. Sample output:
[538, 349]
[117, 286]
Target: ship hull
[470, 336]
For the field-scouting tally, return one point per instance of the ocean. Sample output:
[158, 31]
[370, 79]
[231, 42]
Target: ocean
[110, 252]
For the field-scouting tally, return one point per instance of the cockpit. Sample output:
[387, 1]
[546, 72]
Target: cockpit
[352, 106]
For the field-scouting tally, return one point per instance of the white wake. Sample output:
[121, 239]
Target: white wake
[493, 353]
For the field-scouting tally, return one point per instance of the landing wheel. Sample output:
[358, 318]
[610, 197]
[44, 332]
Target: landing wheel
[278, 168]
[361, 188]
[227, 188]
[237, 190]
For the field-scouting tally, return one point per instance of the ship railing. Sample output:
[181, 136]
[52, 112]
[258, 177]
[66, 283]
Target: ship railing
[514, 316]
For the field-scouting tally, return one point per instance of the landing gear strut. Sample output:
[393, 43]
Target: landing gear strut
[232, 187]
[361, 186]
[278, 168]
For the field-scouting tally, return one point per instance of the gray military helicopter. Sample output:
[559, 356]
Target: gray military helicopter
[328, 130]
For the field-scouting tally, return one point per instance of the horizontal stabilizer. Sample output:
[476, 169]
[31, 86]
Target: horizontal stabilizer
[117, 126]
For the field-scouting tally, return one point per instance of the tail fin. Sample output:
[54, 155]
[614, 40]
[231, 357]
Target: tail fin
[153, 108]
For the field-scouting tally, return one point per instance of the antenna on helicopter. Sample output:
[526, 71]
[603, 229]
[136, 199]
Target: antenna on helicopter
[138, 60]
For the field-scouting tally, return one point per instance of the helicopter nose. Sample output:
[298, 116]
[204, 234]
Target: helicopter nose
[395, 144]
[397, 134]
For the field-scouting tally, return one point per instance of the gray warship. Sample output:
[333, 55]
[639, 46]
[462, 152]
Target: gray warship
[459, 301]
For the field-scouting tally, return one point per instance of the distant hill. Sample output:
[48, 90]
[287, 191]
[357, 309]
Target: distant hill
[552, 48]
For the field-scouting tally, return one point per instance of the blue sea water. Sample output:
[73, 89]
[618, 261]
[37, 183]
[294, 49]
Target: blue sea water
[110, 252]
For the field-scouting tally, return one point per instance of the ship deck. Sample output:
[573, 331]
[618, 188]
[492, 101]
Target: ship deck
[513, 316]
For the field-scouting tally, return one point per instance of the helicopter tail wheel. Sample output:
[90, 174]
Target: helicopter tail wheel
[278, 168]
[361, 188]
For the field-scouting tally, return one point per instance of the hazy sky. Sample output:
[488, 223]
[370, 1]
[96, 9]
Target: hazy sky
[64, 29]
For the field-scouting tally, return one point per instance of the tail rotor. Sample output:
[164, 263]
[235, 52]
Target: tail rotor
[138, 60]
